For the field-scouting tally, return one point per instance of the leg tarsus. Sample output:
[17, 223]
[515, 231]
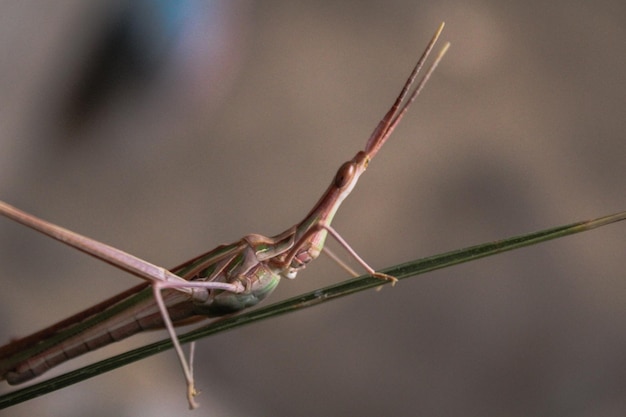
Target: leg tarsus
[386, 277]
[191, 393]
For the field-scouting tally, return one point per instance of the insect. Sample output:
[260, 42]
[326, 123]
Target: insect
[226, 280]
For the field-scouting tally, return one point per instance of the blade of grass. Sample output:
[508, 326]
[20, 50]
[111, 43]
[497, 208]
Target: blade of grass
[319, 296]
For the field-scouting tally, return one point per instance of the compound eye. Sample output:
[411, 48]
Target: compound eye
[345, 174]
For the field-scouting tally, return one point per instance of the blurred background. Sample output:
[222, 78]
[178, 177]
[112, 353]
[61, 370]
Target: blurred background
[168, 127]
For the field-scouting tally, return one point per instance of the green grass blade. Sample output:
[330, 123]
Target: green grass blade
[323, 295]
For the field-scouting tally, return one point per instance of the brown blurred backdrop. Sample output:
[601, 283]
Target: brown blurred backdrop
[166, 128]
